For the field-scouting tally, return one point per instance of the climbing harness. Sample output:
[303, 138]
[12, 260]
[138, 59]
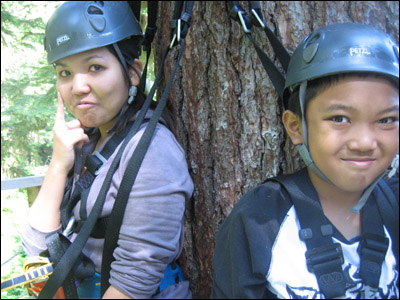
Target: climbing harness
[35, 268]
[62, 271]
[324, 257]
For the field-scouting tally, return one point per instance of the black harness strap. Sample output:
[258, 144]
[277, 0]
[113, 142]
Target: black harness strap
[116, 217]
[94, 164]
[324, 257]
[151, 29]
[237, 13]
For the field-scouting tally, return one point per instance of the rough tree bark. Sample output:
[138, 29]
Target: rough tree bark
[227, 110]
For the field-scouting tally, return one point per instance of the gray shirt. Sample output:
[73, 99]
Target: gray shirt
[151, 234]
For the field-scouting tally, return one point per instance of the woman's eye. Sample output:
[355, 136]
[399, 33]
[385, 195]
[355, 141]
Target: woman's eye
[63, 73]
[340, 119]
[96, 68]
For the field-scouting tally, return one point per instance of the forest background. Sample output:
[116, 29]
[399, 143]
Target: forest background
[228, 118]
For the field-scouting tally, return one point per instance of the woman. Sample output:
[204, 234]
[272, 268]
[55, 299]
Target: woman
[94, 47]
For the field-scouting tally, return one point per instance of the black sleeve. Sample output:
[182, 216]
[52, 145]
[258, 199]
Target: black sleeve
[243, 246]
[394, 185]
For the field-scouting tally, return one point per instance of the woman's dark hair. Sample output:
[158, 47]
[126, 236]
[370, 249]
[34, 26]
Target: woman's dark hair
[130, 49]
[317, 86]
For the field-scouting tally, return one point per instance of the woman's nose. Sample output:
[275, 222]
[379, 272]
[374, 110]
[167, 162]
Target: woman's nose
[80, 84]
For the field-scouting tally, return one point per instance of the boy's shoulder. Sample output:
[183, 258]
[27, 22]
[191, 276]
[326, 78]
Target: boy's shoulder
[271, 199]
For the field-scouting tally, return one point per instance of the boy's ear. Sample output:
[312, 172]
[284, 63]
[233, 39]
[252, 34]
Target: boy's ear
[292, 124]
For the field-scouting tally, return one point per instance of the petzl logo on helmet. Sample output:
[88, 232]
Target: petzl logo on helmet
[359, 51]
[62, 39]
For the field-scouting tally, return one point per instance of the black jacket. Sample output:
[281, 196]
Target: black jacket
[259, 253]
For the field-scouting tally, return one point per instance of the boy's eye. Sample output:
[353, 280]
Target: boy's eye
[389, 120]
[340, 119]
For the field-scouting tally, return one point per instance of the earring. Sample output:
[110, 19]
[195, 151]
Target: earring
[132, 93]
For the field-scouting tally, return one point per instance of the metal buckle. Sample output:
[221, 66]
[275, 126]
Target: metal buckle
[177, 36]
[102, 159]
[69, 229]
[258, 18]
[240, 14]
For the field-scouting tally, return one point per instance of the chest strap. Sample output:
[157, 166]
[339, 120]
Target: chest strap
[324, 257]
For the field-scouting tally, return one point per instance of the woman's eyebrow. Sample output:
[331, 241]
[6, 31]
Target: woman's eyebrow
[85, 60]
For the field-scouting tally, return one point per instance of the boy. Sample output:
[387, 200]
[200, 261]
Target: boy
[331, 229]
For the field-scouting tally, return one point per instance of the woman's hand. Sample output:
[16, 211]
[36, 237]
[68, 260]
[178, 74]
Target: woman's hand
[65, 136]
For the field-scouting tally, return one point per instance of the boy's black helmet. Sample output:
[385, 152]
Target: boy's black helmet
[78, 26]
[343, 48]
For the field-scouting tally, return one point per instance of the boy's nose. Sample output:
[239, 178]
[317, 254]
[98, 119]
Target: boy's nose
[364, 139]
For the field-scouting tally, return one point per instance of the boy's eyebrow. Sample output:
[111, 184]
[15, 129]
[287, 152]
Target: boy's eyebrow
[394, 108]
[85, 60]
[335, 107]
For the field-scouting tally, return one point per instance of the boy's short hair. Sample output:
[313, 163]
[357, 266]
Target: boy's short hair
[317, 86]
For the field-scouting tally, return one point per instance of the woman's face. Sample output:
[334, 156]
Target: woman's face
[93, 86]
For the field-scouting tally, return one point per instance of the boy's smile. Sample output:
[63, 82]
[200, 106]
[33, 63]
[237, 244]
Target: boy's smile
[353, 131]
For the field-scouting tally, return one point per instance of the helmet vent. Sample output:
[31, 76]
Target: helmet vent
[94, 10]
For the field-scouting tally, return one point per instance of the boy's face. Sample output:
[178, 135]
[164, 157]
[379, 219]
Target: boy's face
[353, 131]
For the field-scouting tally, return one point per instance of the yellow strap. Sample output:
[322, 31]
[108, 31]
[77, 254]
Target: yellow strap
[35, 268]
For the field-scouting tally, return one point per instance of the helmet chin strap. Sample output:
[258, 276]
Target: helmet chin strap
[306, 156]
[132, 89]
[303, 148]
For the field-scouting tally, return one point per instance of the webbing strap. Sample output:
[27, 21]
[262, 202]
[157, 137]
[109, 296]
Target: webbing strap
[151, 29]
[116, 217]
[94, 163]
[237, 13]
[325, 258]
[117, 214]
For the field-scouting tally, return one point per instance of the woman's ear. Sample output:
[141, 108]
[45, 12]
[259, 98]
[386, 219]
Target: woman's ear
[292, 123]
[134, 72]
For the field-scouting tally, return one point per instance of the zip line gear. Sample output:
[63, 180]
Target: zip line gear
[36, 267]
[64, 266]
[237, 13]
[325, 258]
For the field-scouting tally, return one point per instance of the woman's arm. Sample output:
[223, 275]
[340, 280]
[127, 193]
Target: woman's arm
[44, 214]
[113, 293]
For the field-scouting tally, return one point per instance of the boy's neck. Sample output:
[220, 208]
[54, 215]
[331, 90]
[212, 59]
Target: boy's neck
[336, 205]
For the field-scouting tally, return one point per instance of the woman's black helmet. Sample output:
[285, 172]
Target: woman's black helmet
[78, 26]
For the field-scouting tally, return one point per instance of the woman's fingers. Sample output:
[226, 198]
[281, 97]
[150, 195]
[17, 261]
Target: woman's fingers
[66, 136]
[60, 114]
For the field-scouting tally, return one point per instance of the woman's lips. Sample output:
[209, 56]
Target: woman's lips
[85, 105]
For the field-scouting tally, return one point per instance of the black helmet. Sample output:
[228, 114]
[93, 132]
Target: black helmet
[78, 26]
[343, 48]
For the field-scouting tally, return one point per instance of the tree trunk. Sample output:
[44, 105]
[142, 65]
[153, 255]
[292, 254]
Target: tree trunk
[228, 117]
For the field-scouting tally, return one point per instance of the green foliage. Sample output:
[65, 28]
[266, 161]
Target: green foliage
[13, 210]
[28, 94]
